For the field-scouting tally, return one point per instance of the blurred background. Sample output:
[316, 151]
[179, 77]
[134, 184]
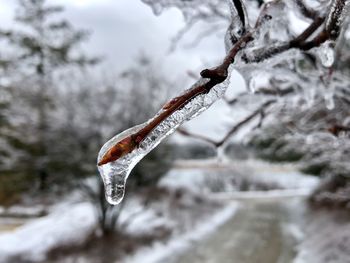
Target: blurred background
[261, 176]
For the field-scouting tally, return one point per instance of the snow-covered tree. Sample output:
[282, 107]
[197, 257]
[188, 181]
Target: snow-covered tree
[38, 45]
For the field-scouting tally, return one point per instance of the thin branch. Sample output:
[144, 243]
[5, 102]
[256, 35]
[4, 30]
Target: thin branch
[187, 133]
[245, 121]
[336, 129]
[306, 11]
[262, 117]
[232, 131]
[242, 14]
[264, 91]
[298, 42]
[331, 31]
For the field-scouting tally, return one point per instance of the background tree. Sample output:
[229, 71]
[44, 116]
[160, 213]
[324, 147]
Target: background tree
[88, 116]
[34, 52]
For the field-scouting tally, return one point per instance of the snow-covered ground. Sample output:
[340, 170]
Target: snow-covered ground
[326, 238]
[63, 227]
[207, 176]
[72, 221]
[159, 252]
[190, 209]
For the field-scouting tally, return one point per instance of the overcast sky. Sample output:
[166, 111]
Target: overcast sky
[122, 29]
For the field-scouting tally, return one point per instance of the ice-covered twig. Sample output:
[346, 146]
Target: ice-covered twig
[214, 77]
[332, 26]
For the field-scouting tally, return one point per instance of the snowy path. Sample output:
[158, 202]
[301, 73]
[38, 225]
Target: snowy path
[260, 232]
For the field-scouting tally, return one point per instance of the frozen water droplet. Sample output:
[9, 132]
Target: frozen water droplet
[115, 173]
[115, 192]
[329, 100]
[326, 54]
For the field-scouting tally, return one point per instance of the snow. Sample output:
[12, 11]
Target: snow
[285, 175]
[205, 176]
[146, 222]
[190, 179]
[326, 239]
[271, 194]
[72, 221]
[160, 252]
[63, 227]
[23, 211]
[136, 219]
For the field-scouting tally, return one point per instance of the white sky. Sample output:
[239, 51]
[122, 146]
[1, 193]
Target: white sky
[121, 29]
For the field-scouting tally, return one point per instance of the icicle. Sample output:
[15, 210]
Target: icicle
[115, 173]
[115, 185]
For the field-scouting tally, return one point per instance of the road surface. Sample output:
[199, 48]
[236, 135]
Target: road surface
[261, 231]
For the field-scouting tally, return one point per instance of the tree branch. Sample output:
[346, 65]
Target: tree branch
[330, 31]
[232, 131]
[219, 74]
[307, 12]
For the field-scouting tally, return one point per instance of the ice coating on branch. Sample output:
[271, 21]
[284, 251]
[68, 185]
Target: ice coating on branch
[115, 173]
[115, 185]
[338, 13]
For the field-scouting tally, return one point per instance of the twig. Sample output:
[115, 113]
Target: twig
[307, 12]
[245, 121]
[187, 133]
[330, 31]
[215, 76]
[336, 129]
[232, 131]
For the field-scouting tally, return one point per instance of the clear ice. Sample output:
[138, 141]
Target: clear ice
[114, 174]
